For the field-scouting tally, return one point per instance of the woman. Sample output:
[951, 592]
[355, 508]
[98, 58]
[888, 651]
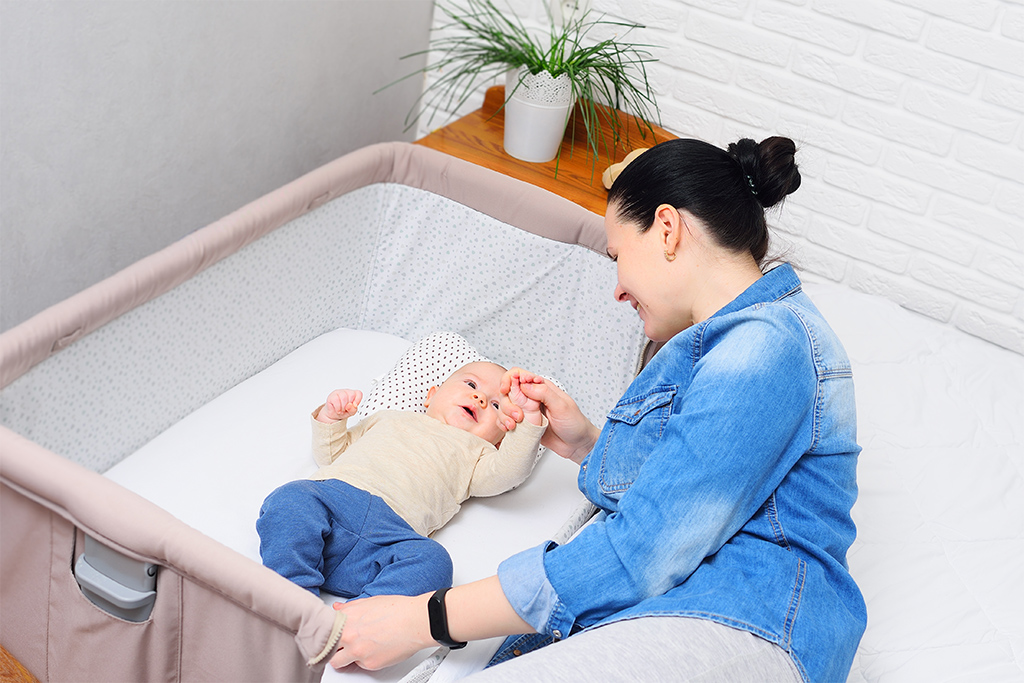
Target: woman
[725, 475]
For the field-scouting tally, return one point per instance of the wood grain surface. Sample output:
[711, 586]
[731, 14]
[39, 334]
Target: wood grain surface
[575, 174]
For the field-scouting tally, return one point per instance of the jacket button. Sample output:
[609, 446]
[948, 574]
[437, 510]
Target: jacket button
[556, 634]
[516, 653]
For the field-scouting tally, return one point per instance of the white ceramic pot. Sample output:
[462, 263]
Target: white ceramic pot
[535, 114]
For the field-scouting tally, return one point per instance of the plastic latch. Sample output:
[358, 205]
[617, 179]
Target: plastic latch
[120, 585]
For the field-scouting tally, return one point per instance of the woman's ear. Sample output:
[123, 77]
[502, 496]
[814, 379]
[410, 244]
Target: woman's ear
[430, 394]
[670, 226]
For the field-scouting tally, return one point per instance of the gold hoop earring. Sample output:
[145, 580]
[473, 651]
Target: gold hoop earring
[669, 257]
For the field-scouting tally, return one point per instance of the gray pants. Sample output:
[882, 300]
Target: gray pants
[651, 649]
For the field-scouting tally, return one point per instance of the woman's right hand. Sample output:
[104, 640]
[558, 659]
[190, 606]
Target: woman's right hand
[569, 434]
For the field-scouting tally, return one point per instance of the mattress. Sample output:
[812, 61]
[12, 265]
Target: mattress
[213, 468]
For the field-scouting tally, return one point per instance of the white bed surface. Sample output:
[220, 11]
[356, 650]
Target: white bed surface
[213, 469]
[940, 547]
[939, 554]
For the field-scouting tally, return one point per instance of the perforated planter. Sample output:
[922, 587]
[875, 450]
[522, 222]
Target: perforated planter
[535, 114]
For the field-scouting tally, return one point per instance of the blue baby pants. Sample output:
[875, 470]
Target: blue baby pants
[333, 536]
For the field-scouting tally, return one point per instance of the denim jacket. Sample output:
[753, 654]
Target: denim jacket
[725, 477]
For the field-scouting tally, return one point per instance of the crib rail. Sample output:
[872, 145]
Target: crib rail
[217, 615]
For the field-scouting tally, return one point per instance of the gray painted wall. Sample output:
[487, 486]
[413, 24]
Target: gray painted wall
[125, 125]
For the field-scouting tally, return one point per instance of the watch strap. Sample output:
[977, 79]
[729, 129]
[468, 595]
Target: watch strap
[438, 615]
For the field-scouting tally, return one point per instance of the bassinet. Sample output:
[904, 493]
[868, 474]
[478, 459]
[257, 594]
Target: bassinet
[393, 238]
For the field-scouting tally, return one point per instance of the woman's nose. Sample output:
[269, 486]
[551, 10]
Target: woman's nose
[620, 293]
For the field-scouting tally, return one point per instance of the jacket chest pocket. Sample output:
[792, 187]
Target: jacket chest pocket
[634, 428]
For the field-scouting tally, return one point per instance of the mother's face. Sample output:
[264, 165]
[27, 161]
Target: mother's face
[647, 280]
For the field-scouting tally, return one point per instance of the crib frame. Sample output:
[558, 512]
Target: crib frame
[217, 614]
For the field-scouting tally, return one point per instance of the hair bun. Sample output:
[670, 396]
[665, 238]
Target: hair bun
[769, 167]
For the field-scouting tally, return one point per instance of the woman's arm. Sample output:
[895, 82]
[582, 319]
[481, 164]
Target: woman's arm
[480, 610]
[570, 434]
[384, 630]
[730, 440]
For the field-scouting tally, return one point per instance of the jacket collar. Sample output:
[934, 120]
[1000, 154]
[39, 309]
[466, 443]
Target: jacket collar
[776, 284]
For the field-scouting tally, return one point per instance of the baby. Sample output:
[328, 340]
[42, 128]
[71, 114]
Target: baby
[360, 525]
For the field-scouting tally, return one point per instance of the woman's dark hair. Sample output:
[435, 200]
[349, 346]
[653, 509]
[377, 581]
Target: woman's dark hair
[727, 191]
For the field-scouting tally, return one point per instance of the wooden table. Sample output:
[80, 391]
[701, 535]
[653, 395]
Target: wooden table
[477, 137]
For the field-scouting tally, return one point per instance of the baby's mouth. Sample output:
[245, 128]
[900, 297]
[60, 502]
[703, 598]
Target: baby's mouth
[470, 412]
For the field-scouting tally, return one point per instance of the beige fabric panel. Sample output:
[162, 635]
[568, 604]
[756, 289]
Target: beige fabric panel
[218, 615]
[25, 554]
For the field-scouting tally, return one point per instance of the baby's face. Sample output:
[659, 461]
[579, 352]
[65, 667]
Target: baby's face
[470, 400]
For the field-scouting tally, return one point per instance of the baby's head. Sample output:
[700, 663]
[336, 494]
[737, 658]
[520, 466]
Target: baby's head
[470, 400]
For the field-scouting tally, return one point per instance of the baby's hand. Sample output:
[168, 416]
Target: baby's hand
[341, 404]
[531, 408]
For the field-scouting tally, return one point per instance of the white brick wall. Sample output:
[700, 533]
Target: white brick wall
[909, 115]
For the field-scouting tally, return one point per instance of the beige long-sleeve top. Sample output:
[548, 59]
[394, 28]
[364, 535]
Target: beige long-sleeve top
[422, 468]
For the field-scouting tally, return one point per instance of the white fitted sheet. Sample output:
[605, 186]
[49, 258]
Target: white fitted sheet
[940, 549]
[213, 469]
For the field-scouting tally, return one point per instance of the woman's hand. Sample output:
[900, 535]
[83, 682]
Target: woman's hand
[569, 433]
[383, 630]
[387, 629]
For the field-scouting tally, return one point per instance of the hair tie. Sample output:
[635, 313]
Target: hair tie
[750, 182]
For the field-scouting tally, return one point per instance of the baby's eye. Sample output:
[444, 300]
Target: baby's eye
[471, 383]
[496, 406]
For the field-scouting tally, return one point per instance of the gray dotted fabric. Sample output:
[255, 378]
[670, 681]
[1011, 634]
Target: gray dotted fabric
[387, 258]
[427, 363]
[133, 378]
[518, 298]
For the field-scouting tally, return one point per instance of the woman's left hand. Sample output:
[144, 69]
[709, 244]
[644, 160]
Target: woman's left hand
[382, 630]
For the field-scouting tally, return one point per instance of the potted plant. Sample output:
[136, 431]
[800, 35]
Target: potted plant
[544, 79]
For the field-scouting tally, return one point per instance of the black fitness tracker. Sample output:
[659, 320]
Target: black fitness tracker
[439, 620]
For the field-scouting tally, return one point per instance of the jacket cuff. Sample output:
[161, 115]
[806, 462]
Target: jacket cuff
[526, 586]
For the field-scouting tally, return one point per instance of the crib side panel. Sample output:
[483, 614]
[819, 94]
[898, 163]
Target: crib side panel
[211, 604]
[51, 627]
[129, 380]
[131, 356]
[519, 298]
[193, 633]
[25, 553]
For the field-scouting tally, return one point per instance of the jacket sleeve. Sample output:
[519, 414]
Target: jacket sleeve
[329, 440]
[499, 470]
[720, 454]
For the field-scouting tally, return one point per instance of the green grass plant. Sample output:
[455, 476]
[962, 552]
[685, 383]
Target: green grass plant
[481, 41]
